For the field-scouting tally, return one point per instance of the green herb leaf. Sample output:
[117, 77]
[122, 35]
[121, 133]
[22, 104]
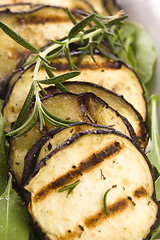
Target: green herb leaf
[17, 38]
[14, 221]
[3, 166]
[25, 109]
[80, 26]
[154, 154]
[68, 57]
[116, 20]
[145, 53]
[70, 187]
[50, 74]
[30, 61]
[81, 57]
[57, 119]
[30, 126]
[140, 52]
[73, 20]
[104, 201]
[61, 78]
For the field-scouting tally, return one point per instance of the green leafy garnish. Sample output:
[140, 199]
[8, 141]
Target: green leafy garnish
[154, 154]
[140, 52]
[105, 201]
[70, 187]
[3, 167]
[14, 220]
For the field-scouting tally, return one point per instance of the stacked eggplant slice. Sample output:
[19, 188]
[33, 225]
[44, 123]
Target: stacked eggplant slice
[91, 180]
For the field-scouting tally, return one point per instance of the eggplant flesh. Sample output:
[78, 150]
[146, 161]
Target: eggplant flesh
[101, 161]
[85, 107]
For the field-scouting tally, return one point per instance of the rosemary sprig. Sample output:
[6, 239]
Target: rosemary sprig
[99, 29]
[70, 187]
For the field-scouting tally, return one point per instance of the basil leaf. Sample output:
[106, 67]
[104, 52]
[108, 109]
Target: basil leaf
[3, 167]
[78, 27]
[140, 52]
[154, 154]
[156, 233]
[144, 52]
[60, 78]
[14, 222]
[17, 38]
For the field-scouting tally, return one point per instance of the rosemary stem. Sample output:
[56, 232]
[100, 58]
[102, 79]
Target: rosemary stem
[72, 40]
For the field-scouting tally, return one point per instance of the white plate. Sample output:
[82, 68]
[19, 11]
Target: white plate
[147, 12]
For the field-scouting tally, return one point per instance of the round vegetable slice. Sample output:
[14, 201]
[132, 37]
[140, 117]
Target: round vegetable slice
[96, 185]
[85, 107]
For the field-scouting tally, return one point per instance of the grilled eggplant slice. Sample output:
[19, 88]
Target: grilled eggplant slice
[113, 195]
[49, 142]
[38, 26]
[114, 100]
[115, 76]
[84, 107]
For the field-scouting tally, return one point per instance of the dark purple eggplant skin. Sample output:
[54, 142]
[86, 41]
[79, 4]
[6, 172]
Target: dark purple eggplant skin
[32, 154]
[37, 228]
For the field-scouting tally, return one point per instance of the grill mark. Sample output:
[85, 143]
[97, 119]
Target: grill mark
[114, 209]
[61, 66]
[85, 166]
[95, 219]
[140, 192]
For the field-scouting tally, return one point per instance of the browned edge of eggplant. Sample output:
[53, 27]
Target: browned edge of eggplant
[32, 154]
[72, 140]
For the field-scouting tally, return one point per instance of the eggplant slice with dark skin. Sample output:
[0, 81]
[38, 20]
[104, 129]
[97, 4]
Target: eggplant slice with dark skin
[116, 101]
[38, 23]
[105, 72]
[113, 195]
[49, 141]
[86, 107]
[38, 26]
